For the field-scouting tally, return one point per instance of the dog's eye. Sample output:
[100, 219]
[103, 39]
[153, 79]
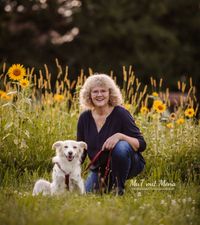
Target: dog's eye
[74, 146]
[66, 146]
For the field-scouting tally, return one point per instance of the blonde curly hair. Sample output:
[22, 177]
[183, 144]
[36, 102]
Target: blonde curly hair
[102, 80]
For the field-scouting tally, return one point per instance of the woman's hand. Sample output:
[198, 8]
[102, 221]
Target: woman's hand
[111, 141]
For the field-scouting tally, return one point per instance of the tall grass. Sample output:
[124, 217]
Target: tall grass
[34, 117]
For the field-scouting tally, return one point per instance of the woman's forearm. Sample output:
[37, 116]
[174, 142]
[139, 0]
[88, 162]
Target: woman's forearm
[131, 140]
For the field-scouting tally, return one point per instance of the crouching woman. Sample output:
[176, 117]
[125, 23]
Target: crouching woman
[108, 127]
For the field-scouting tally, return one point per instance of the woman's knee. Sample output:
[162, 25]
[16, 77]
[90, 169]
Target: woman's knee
[121, 149]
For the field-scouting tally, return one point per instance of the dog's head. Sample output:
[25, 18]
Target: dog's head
[69, 149]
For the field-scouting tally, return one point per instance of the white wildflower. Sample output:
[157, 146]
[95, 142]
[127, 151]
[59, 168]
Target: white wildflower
[173, 202]
[162, 202]
[184, 200]
[132, 218]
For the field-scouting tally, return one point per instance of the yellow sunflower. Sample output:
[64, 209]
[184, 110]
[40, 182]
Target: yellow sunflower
[127, 106]
[169, 125]
[156, 103]
[144, 110]
[2, 93]
[58, 97]
[161, 108]
[16, 72]
[172, 116]
[180, 121]
[155, 94]
[5, 97]
[24, 83]
[189, 112]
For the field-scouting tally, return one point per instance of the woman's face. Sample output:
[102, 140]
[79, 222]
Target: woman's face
[100, 96]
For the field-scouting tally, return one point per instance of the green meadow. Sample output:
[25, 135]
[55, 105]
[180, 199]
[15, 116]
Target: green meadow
[34, 114]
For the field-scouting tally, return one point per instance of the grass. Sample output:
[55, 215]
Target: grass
[180, 206]
[34, 117]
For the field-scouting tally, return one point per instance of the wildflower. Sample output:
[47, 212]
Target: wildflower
[132, 218]
[189, 112]
[5, 97]
[173, 202]
[184, 200]
[172, 116]
[155, 94]
[16, 72]
[162, 202]
[58, 97]
[159, 106]
[169, 125]
[156, 103]
[180, 121]
[127, 106]
[24, 83]
[144, 110]
[2, 93]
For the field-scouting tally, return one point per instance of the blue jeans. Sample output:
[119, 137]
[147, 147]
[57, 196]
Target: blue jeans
[125, 164]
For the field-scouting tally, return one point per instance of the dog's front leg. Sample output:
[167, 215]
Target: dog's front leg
[81, 186]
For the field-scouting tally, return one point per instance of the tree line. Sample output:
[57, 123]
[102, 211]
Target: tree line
[158, 38]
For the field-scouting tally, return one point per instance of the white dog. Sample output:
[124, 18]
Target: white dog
[66, 171]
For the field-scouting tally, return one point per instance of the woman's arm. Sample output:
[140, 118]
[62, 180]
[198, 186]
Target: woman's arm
[129, 132]
[112, 141]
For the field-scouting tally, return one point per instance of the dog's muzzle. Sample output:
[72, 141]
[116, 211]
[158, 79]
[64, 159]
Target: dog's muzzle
[70, 156]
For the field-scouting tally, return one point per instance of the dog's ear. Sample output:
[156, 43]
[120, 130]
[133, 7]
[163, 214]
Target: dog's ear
[57, 145]
[83, 145]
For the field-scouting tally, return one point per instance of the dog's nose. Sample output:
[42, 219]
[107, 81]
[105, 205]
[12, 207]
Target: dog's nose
[70, 153]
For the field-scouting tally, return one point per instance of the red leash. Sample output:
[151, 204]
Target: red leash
[107, 169]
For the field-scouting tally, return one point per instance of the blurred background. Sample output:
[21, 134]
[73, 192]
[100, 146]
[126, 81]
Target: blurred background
[159, 38]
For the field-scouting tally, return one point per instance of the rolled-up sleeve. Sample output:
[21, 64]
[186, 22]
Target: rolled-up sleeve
[131, 129]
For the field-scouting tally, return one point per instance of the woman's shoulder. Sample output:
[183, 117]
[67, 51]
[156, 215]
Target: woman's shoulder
[85, 114]
[121, 110]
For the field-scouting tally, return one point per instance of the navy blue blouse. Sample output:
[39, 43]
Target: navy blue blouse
[118, 121]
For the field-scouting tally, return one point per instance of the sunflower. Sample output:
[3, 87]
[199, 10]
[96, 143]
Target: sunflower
[155, 94]
[24, 83]
[58, 97]
[144, 110]
[156, 103]
[161, 108]
[180, 121]
[127, 106]
[5, 97]
[16, 72]
[169, 125]
[189, 112]
[2, 93]
[172, 116]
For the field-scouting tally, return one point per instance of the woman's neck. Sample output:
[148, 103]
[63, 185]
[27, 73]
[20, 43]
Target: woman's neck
[103, 110]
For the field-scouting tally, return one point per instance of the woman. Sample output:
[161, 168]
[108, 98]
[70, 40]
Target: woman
[106, 125]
